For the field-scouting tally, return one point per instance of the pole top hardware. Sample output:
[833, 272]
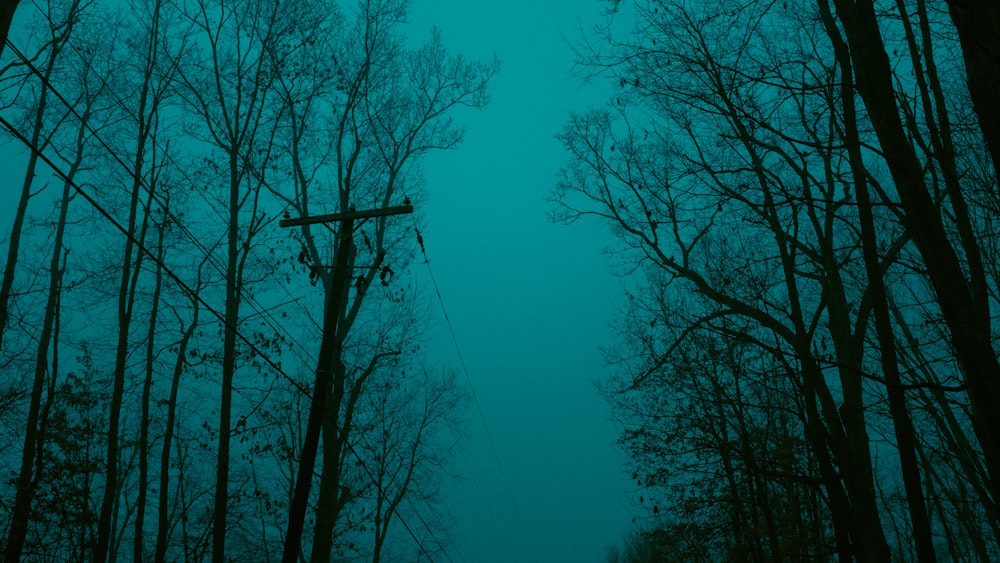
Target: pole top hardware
[350, 214]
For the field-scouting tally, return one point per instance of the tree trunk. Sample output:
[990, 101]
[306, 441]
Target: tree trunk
[332, 497]
[14, 245]
[131, 261]
[138, 551]
[970, 336]
[902, 424]
[163, 513]
[849, 441]
[21, 511]
[844, 432]
[232, 315]
[978, 26]
[148, 107]
[26, 480]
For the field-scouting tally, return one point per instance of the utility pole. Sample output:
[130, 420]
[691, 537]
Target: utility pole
[329, 353]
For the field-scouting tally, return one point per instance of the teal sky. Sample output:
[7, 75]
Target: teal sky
[530, 301]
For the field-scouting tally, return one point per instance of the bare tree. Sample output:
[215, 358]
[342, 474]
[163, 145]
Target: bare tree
[245, 83]
[60, 24]
[390, 107]
[733, 169]
[33, 437]
[960, 288]
[153, 86]
[45, 364]
[181, 361]
[227, 84]
[410, 432]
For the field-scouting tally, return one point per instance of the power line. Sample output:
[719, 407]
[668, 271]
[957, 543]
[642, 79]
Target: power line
[475, 398]
[209, 254]
[196, 295]
[97, 206]
[489, 509]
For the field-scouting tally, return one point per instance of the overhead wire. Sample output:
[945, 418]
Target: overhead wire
[142, 247]
[475, 398]
[259, 310]
[183, 285]
[196, 295]
[489, 509]
[209, 254]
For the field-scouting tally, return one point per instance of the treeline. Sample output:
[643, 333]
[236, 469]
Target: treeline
[159, 331]
[805, 201]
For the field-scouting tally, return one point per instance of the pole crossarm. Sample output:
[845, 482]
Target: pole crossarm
[328, 369]
[352, 214]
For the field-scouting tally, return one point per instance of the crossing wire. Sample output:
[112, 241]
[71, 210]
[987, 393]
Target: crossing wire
[209, 254]
[196, 295]
[475, 398]
[183, 285]
[219, 267]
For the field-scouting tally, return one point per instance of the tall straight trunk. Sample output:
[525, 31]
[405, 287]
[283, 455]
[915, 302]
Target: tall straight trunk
[126, 300]
[337, 427]
[14, 245]
[232, 313]
[26, 478]
[26, 481]
[234, 110]
[148, 107]
[328, 363]
[332, 497]
[138, 550]
[971, 336]
[24, 492]
[902, 423]
[17, 226]
[163, 512]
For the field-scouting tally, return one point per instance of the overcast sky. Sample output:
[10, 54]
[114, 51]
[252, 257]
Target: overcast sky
[529, 301]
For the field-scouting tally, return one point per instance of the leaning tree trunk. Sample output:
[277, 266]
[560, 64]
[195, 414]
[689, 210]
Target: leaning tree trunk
[963, 314]
[180, 361]
[36, 140]
[978, 26]
[902, 423]
[26, 479]
[7, 9]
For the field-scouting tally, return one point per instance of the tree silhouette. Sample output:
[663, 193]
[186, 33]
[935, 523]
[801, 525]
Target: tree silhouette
[748, 193]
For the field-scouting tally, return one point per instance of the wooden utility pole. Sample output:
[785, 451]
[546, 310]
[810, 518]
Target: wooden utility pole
[329, 353]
